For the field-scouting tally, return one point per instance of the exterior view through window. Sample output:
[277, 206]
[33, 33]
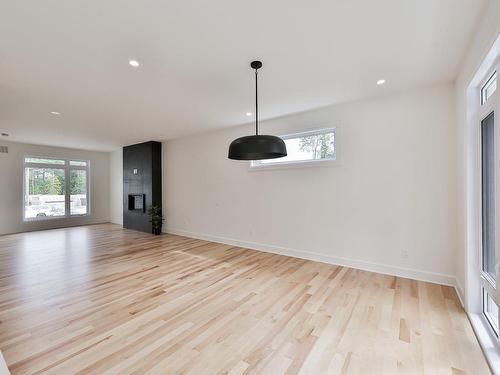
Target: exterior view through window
[319, 145]
[489, 252]
[488, 194]
[55, 188]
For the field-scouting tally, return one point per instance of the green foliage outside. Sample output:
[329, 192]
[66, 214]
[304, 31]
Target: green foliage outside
[77, 182]
[321, 146]
[46, 181]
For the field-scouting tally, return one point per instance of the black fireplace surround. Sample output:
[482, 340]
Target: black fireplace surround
[141, 184]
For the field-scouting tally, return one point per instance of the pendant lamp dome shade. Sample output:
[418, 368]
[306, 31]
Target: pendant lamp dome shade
[257, 147]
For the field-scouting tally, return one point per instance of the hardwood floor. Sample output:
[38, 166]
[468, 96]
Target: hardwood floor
[103, 300]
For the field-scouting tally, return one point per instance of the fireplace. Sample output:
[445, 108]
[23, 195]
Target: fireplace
[141, 184]
[136, 202]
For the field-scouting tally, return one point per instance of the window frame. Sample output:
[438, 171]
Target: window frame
[493, 76]
[484, 301]
[256, 165]
[67, 193]
[488, 286]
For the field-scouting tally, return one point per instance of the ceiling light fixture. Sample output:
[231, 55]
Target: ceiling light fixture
[55, 113]
[380, 82]
[134, 63]
[257, 147]
[248, 113]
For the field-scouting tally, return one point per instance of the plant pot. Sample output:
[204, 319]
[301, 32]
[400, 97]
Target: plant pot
[156, 231]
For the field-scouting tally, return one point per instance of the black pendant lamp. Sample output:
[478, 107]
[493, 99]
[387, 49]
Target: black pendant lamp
[257, 147]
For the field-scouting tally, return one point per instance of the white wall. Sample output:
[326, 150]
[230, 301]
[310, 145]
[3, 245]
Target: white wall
[394, 192]
[482, 41]
[11, 187]
[116, 186]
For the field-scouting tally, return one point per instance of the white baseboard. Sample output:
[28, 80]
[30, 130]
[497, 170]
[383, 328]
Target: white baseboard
[35, 226]
[409, 273]
[3, 366]
[115, 220]
[460, 292]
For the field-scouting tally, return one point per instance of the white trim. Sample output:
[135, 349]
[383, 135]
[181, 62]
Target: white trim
[460, 292]
[493, 76]
[4, 370]
[60, 223]
[475, 112]
[295, 164]
[409, 273]
[488, 343]
[315, 131]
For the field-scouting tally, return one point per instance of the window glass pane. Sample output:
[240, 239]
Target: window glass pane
[306, 147]
[78, 163]
[44, 161]
[78, 191]
[489, 88]
[490, 309]
[488, 194]
[44, 192]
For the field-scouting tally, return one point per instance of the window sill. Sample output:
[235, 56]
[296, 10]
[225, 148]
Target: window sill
[295, 164]
[487, 341]
[53, 218]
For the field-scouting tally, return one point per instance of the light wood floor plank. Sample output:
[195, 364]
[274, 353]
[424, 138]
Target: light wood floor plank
[104, 300]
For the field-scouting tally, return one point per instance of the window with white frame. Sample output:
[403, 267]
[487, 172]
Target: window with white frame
[489, 88]
[490, 254]
[55, 188]
[315, 146]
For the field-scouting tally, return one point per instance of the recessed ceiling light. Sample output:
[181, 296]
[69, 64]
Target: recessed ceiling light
[5, 134]
[380, 82]
[55, 113]
[134, 63]
[248, 113]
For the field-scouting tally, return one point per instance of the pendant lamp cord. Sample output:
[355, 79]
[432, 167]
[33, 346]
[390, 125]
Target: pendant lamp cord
[256, 107]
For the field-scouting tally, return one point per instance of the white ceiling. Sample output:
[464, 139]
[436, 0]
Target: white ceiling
[72, 57]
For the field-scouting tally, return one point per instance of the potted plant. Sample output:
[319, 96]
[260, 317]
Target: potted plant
[156, 219]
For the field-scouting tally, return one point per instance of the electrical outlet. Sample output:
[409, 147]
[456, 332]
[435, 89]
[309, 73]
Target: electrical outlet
[404, 254]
